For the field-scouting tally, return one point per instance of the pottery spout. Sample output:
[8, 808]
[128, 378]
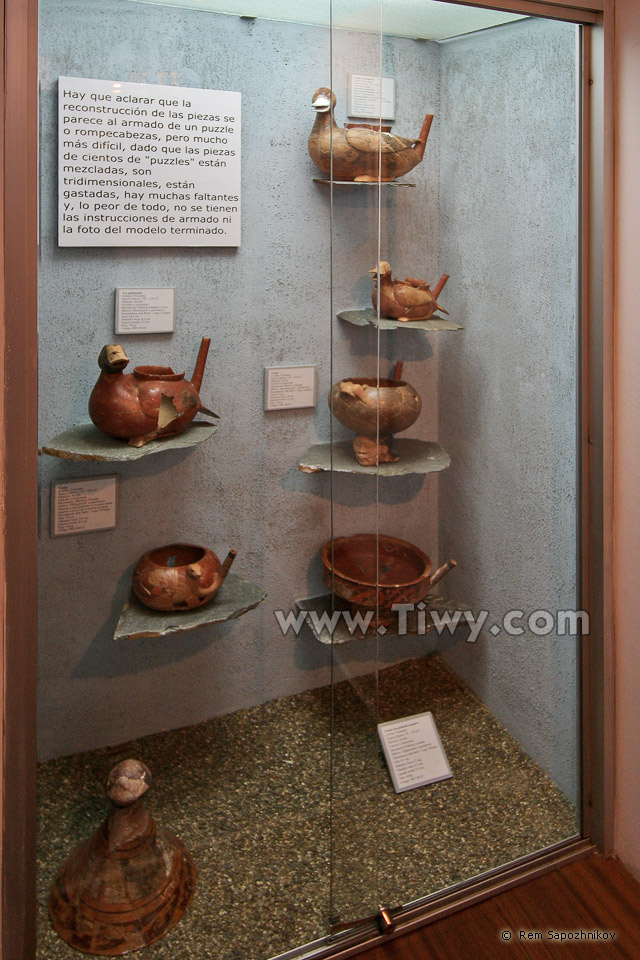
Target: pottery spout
[419, 148]
[194, 571]
[196, 379]
[224, 569]
[439, 287]
[441, 572]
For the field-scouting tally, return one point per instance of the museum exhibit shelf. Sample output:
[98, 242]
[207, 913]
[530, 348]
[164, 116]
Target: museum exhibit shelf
[363, 183]
[322, 605]
[86, 442]
[369, 317]
[235, 598]
[416, 456]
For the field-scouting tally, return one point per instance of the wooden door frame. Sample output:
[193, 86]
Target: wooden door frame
[19, 443]
[18, 452]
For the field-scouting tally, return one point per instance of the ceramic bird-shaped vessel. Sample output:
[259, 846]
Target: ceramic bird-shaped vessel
[148, 404]
[361, 153]
[408, 299]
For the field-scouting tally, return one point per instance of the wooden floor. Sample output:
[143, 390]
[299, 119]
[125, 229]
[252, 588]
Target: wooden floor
[590, 895]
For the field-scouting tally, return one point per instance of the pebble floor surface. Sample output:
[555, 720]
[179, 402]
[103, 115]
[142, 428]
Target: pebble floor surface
[249, 794]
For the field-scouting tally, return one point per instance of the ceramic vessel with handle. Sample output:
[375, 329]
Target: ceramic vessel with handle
[375, 409]
[372, 571]
[180, 576]
[362, 152]
[408, 299]
[148, 404]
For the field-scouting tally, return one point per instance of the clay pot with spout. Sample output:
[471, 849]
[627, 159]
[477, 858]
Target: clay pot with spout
[408, 299]
[180, 576]
[375, 409]
[361, 152]
[148, 404]
[375, 571]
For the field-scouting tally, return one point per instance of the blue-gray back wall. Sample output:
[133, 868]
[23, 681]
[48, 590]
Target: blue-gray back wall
[508, 229]
[267, 302]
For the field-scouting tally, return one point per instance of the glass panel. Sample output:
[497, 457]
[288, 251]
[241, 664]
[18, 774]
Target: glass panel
[355, 500]
[490, 228]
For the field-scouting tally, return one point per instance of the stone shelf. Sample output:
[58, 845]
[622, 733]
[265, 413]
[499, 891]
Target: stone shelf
[363, 183]
[341, 634]
[369, 317]
[86, 442]
[235, 598]
[416, 456]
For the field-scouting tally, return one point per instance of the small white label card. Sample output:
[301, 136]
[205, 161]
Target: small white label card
[413, 751]
[145, 309]
[372, 97]
[83, 506]
[286, 388]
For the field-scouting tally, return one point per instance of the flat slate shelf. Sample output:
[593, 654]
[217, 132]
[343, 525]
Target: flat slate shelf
[341, 633]
[416, 456]
[86, 442]
[369, 317]
[364, 183]
[235, 598]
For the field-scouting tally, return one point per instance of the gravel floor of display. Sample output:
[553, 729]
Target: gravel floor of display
[249, 794]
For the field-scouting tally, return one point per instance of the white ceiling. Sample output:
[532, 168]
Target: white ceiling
[424, 19]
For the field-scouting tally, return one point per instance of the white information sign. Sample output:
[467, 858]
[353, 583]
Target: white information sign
[286, 388]
[413, 752]
[83, 506]
[145, 309]
[372, 97]
[141, 164]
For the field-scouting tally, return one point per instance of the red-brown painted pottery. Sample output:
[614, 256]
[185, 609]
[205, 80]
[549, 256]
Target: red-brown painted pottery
[366, 405]
[150, 403]
[366, 568]
[129, 883]
[179, 576]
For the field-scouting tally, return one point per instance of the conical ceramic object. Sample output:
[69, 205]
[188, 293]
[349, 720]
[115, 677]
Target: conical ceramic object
[129, 883]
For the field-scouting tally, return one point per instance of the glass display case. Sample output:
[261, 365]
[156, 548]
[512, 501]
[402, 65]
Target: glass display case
[370, 209]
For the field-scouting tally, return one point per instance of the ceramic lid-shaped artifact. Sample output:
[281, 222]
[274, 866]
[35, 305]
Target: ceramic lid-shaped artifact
[130, 882]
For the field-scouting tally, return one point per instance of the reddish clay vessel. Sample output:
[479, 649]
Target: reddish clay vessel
[366, 569]
[408, 299]
[361, 152]
[375, 409]
[130, 882]
[180, 576]
[150, 403]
